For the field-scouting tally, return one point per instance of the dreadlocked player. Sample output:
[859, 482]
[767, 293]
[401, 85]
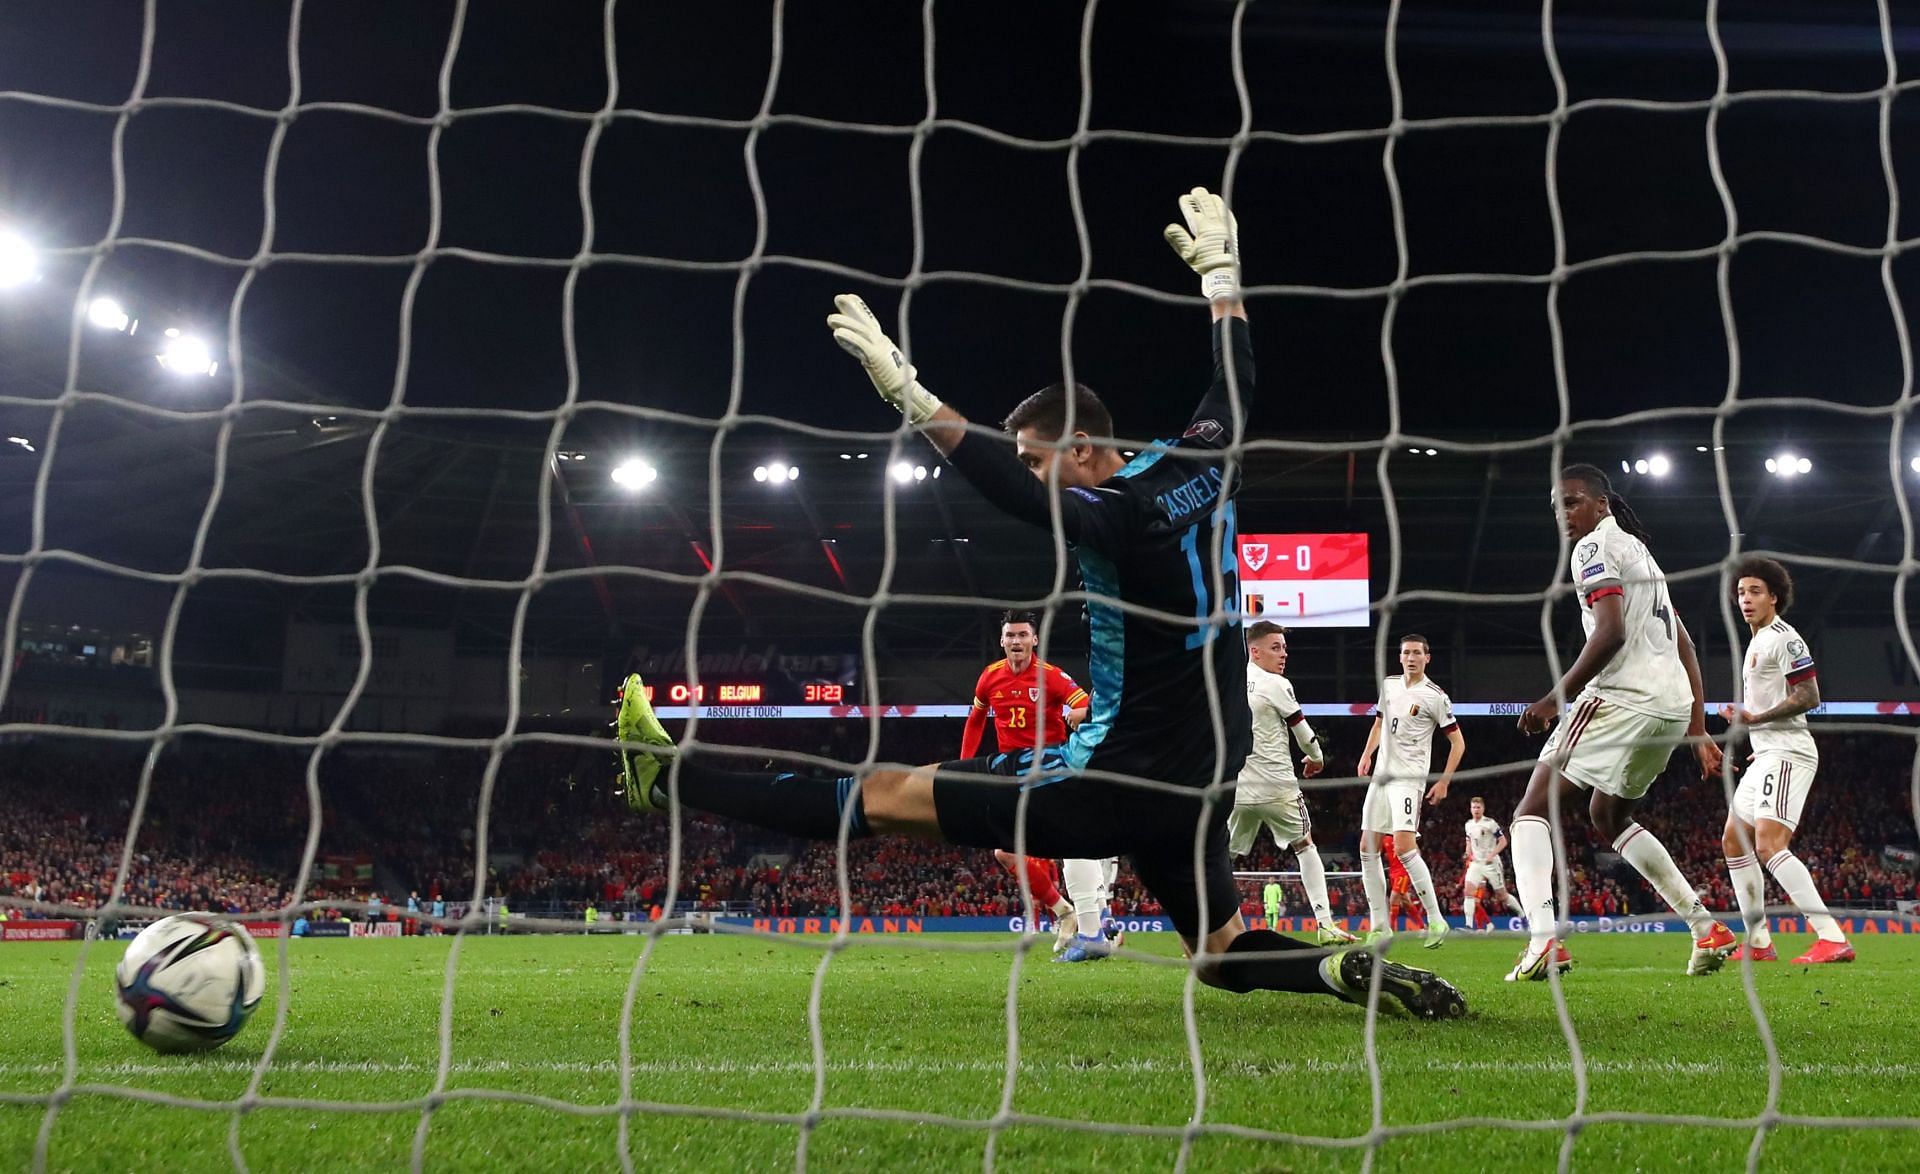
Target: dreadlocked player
[1636, 693]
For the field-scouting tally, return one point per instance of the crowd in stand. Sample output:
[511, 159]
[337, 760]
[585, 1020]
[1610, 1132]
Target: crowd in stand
[225, 827]
[63, 858]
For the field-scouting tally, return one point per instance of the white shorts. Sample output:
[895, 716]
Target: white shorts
[1088, 883]
[1392, 807]
[1487, 872]
[1775, 787]
[1286, 816]
[1612, 749]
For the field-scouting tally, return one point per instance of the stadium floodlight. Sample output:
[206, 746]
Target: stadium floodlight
[936, 472]
[759, 472]
[108, 314]
[1789, 465]
[634, 474]
[919, 472]
[901, 472]
[23, 442]
[19, 261]
[1659, 465]
[1914, 464]
[186, 354]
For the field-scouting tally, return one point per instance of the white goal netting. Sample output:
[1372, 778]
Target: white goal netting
[1228, 123]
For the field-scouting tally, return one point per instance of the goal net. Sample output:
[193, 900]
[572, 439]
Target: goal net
[296, 291]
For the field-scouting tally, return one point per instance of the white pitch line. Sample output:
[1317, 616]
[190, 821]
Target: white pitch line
[997, 1067]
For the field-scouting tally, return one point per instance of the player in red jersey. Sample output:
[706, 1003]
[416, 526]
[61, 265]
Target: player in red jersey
[1033, 705]
[1401, 900]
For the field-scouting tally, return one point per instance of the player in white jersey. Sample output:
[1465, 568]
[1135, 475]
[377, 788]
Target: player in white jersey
[1485, 842]
[1636, 695]
[1411, 709]
[1778, 688]
[1267, 793]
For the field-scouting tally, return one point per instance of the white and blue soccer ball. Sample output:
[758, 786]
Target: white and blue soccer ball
[188, 983]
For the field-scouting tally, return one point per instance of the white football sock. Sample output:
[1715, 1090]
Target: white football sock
[1471, 906]
[1373, 878]
[1650, 859]
[1082, 880]
[1793, 876]
[1750, 889]
[1423, 885]
[1512, 901]
[1313, 876]
[1532, 843]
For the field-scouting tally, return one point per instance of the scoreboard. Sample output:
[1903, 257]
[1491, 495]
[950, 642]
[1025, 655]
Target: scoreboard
[742, 692]
[1306, 580]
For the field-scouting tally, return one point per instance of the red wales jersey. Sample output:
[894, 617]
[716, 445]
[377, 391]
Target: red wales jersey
[1013, 699]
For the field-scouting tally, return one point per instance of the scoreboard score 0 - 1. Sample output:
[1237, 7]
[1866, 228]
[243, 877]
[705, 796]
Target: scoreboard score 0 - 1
[746, 693]
[1305, 580]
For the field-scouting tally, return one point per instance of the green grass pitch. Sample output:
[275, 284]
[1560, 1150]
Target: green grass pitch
[721, 1021]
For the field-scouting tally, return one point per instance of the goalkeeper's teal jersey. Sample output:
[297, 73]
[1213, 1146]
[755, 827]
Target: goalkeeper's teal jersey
[1160, 534]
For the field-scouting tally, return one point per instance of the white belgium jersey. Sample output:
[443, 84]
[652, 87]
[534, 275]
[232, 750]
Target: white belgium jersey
[1483, 835]
[1778, 658]
[1409, 716]
[1268, 771]
[1646, 675]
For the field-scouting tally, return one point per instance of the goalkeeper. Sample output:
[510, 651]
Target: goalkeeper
[1145, 533]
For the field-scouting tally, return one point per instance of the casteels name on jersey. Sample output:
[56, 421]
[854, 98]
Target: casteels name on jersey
[1192, 495]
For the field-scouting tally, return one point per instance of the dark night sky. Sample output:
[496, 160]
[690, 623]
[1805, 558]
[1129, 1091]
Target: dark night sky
[1474, 359]
[1473, 356]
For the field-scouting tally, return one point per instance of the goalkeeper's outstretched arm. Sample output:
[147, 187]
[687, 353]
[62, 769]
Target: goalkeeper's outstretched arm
[1209, 244]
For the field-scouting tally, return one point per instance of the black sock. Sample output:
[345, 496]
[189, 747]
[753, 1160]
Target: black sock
[782, 802]
[1298, 970]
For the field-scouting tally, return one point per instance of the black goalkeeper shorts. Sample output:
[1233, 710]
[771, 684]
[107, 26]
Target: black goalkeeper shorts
[979, 804]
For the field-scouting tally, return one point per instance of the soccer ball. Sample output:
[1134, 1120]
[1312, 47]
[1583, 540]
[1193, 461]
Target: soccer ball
[188, 983]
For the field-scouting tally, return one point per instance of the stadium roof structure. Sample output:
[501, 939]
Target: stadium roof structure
[457, 498]
[680, 312]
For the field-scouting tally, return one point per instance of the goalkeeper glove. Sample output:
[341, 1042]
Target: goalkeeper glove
[858, 333]
[1210, 243]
